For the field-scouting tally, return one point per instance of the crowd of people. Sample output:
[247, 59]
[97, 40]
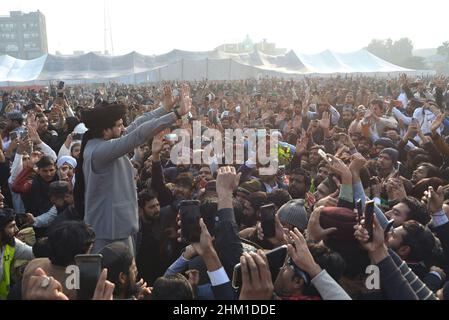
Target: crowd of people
[87, 169]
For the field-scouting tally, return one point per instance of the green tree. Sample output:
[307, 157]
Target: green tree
[399, 52]
[414, 62]
[443, 50]
[380, 48]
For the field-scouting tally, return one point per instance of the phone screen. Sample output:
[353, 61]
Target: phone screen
[189, 211]
[13, 136]
[89, 271]
[369, 212]
[267, 220]
[275, 258]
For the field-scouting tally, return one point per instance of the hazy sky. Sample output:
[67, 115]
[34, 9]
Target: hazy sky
[155, 27]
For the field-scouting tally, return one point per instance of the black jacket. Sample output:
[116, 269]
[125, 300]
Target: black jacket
[227, 244]
[152, 259]
[442, 233]
[39, 197]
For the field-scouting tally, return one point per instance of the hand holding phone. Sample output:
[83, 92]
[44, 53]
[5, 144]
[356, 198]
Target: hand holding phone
[13, 135]
[324, 156]
[359, 208]
[369, 219]
[172, 137]
[275, 258]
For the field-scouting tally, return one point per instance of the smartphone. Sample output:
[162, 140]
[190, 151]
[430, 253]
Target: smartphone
[21, 220]
[369, 213]
[324, 155]
[24, 134]
[359, 207]
[266, 218]
[275, 258]
[89, 266]
[389, 226]
[173, 137]
[189, 211]
[61, 85]
[13, 135]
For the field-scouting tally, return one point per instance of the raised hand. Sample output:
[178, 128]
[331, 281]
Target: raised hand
[167, 98]
[376, 248]
[302, 143]
[325, 121]
[227, 180]
[357, 162]
[437, 122]
[434, 199]
[34, 136]
[301, 255]
[185, 100]
[205, 245]
[31, 120]
[104, 289]
[395, 189]
[256, 277]
[314, 230]
[339, 167]
[156, 146]
[42, 287]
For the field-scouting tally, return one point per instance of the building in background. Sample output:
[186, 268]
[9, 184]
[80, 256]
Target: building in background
[247, 46]
[23, 35]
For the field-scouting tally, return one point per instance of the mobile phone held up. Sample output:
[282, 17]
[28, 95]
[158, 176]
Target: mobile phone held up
[266, 218]
[189, 211]
[171, 137]
[275, 258]
[324, 156]
[369, 219]
[13, 135]
[89, 266]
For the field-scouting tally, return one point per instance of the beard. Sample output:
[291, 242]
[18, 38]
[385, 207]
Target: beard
[346, 123]
[5, 239]
[130, 289]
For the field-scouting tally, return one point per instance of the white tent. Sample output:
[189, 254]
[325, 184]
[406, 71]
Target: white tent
[188, 65]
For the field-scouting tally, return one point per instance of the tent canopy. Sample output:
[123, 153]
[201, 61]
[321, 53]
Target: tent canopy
[189, 65]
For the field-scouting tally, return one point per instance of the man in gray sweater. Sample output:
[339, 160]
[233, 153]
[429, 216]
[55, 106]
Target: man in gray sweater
[105, 189]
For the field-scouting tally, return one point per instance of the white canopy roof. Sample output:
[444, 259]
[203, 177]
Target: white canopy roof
[189, 65]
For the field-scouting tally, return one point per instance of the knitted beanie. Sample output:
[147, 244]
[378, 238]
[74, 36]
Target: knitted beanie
[294, 213]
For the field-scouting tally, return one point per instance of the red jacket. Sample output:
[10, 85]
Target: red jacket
[23, 182]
